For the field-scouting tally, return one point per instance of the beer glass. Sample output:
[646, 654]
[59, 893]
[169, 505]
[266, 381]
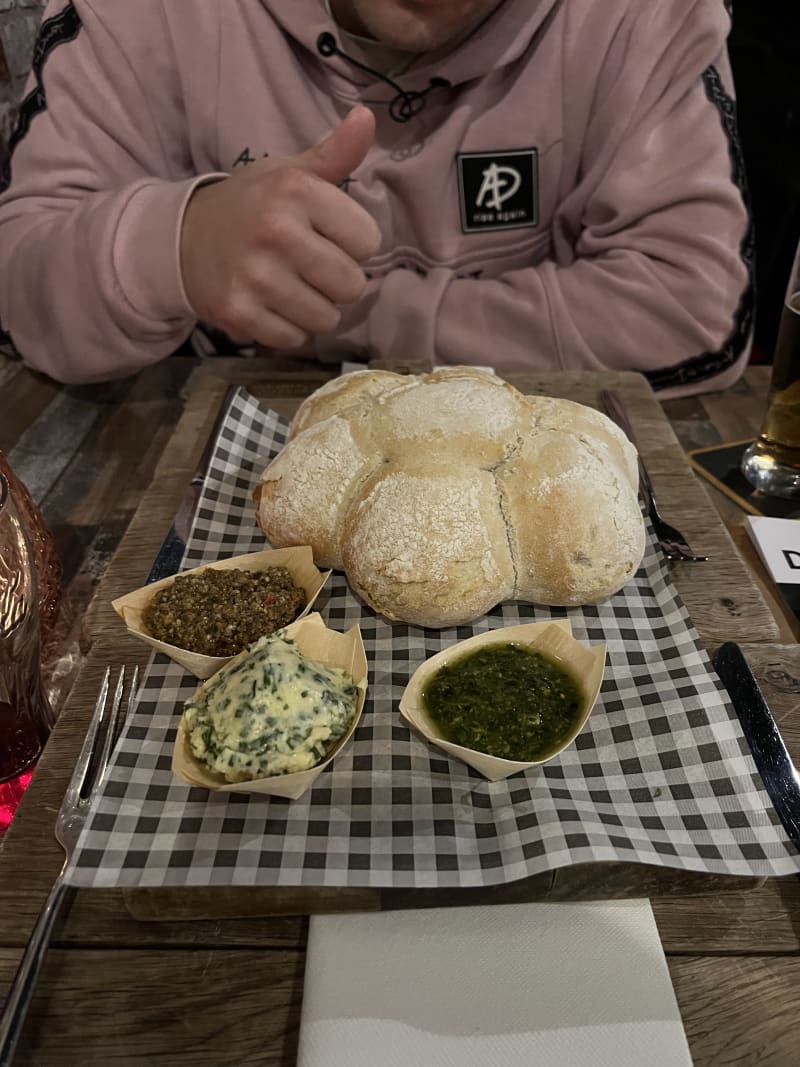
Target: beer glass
[772, 462]
[25, 715]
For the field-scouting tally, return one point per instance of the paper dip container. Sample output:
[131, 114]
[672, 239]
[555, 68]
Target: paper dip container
[298, 561]
[555, 640]
[317, 642]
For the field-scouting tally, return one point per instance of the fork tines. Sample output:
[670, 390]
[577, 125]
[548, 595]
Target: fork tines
[92, 762]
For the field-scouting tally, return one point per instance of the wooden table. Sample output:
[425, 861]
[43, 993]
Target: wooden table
[228, 991]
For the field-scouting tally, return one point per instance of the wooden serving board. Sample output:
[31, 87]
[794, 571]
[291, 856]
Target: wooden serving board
[722, 598]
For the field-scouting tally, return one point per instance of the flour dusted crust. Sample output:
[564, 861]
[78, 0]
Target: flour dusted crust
[344, 394]
[306, 488]
[423, 542]
[444, 494]
[573, 519]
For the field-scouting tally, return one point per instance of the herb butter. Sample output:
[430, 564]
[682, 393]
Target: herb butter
[270, 711]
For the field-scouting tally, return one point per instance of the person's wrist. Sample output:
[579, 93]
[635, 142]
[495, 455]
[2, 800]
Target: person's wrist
[146, 253]
[190, 227]
[188, 235]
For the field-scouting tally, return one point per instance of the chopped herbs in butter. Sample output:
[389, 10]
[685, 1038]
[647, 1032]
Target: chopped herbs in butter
[269, 711]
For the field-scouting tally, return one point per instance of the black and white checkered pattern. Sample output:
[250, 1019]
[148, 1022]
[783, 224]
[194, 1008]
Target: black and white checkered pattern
[661, 774]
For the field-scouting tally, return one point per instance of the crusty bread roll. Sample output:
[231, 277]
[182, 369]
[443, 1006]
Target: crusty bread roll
[444, 494]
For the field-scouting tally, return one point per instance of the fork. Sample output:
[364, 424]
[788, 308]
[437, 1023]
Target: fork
[671, 541]
[90, 768]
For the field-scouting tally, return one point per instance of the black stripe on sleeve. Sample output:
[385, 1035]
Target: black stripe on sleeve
[56, 30]
[7, 346]
[53, 31]
[709, 364]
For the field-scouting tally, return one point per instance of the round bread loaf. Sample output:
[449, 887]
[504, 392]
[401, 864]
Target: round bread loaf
[444, 494]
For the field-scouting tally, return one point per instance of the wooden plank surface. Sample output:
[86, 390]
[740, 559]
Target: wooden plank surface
[89, 485]
[25, 397]
[739, 1012]
[140, 989]
[207, 1006]
[763, 920]
[218, 1007]
[720, 418]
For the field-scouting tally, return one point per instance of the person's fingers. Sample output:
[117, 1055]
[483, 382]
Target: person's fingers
[338, 154]
[283, 241]
[347, 224]
[308, 183]
[268, 283]
[251, 322]
[331, 272]
[320, 262]
[309, 205]
[289, 296]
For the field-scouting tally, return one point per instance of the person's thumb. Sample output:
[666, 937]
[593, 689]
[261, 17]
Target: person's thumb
[338, 155]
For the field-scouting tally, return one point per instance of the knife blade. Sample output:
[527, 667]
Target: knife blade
[612, 406]
[778, 772]
[169, 556]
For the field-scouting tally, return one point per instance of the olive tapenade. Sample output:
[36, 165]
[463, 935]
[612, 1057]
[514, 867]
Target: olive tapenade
[221, 612]
[505, 700]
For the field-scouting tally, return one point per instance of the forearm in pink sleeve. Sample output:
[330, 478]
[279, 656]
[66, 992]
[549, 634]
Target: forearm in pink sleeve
[95, 290]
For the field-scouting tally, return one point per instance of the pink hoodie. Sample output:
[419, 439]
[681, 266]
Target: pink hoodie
[569, 198]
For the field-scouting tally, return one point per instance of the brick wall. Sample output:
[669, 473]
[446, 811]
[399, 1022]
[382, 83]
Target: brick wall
[19, 21]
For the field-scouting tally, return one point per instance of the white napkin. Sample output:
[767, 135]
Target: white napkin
[506, 985]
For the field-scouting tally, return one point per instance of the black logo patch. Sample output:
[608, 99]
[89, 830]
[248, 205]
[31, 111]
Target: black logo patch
[498, 190]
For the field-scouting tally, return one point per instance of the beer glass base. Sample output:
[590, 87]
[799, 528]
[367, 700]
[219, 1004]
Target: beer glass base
[769, 477]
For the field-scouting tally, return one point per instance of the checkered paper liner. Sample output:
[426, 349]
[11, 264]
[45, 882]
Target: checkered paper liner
[661, 774]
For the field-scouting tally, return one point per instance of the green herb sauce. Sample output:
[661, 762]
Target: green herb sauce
[505, 700]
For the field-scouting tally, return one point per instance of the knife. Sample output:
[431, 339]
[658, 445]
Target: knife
[774, 764]
[670, 540]
[169, 556]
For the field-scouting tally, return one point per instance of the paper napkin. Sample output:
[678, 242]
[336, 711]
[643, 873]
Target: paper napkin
[512, 985]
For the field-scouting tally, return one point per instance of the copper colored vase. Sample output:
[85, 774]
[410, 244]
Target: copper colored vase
[45, 557]
[25, 547]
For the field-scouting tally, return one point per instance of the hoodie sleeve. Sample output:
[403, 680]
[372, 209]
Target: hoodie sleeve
[90, 284]
[648, 269]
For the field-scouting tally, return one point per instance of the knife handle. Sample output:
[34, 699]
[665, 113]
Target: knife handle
[617, 413]
[772, 759]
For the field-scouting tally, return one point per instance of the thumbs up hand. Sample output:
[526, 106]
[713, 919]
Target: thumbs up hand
[268, 253]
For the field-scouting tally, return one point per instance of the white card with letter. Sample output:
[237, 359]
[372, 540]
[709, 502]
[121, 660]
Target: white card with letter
[778, 544]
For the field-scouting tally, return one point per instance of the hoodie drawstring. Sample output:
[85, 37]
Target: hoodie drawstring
[406, 103]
